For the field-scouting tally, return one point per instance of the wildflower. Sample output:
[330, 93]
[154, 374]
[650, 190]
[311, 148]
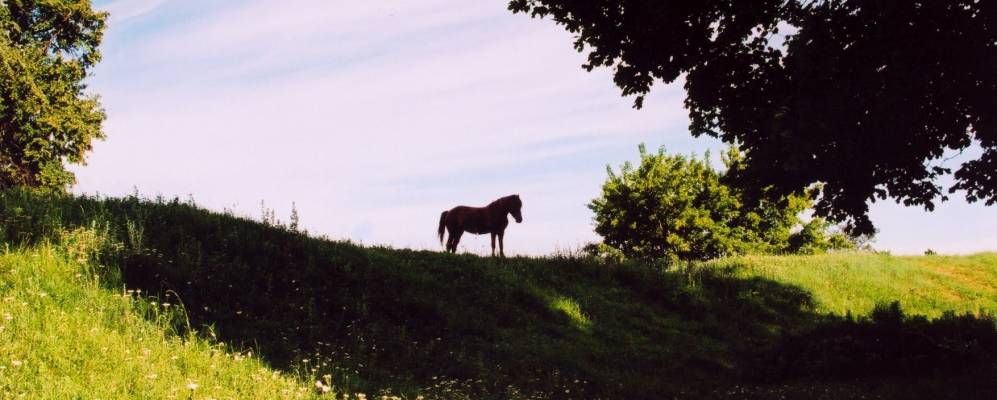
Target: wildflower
[191, 386]
[16, 363]
[322, 387]
[8, 317]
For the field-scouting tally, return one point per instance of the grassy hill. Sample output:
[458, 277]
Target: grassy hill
[417, 323]
[856, 282]
[63, 336]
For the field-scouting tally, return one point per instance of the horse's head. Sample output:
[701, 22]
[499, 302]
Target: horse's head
[515, 207]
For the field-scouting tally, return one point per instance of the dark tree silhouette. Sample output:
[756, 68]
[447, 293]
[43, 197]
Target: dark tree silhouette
[864, 96]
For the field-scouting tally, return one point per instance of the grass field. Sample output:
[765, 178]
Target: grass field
[408, 323]
[856, 282]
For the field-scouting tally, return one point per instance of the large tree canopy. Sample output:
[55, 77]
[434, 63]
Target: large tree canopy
[46, 50]
[866, 97]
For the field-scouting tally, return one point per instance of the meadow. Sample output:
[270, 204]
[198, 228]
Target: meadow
[137, 298]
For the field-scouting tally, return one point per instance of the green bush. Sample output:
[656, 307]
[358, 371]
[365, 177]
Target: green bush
[672, 207]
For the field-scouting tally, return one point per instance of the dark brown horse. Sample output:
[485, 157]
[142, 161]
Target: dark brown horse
[492, 219]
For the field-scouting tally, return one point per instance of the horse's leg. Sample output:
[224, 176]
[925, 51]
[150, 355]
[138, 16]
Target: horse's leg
[493, 244]
[501, 236]
[446, 246]
[450, 239]
[456, 239]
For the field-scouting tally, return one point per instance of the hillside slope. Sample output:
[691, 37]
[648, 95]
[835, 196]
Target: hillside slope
[855, 282]
[64, 334]
[418, 323]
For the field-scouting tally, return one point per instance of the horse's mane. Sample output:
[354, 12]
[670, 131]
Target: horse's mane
[502, 200]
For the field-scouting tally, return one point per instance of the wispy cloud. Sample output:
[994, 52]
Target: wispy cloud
[123, 10]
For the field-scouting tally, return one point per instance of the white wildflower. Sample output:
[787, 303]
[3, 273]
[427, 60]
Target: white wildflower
[322, 387]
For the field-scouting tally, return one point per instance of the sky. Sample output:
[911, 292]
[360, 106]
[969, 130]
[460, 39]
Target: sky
[374, 117]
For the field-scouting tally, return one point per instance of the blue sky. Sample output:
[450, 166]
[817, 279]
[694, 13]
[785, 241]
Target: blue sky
[373, 117]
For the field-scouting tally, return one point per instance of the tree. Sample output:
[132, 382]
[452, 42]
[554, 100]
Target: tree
[676, 208]
[47, 48]
[865, 97]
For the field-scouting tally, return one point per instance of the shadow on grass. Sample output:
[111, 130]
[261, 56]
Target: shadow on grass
[418, 322]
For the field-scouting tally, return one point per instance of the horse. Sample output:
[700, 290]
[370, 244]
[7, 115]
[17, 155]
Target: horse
[492, 219]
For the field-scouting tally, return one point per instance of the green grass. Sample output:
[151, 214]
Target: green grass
[855, 282]
[65, 335]
[419, 323]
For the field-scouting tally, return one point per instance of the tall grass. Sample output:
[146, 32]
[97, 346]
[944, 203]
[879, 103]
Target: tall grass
[65, 334]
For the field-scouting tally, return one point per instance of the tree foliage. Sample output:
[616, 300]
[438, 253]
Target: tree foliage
[865, 97]
[674, 208]
[47, 48]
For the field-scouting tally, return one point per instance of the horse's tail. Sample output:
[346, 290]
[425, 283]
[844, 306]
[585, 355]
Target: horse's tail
[443, 220]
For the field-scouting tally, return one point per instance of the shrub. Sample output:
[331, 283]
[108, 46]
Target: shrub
[673, 207]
